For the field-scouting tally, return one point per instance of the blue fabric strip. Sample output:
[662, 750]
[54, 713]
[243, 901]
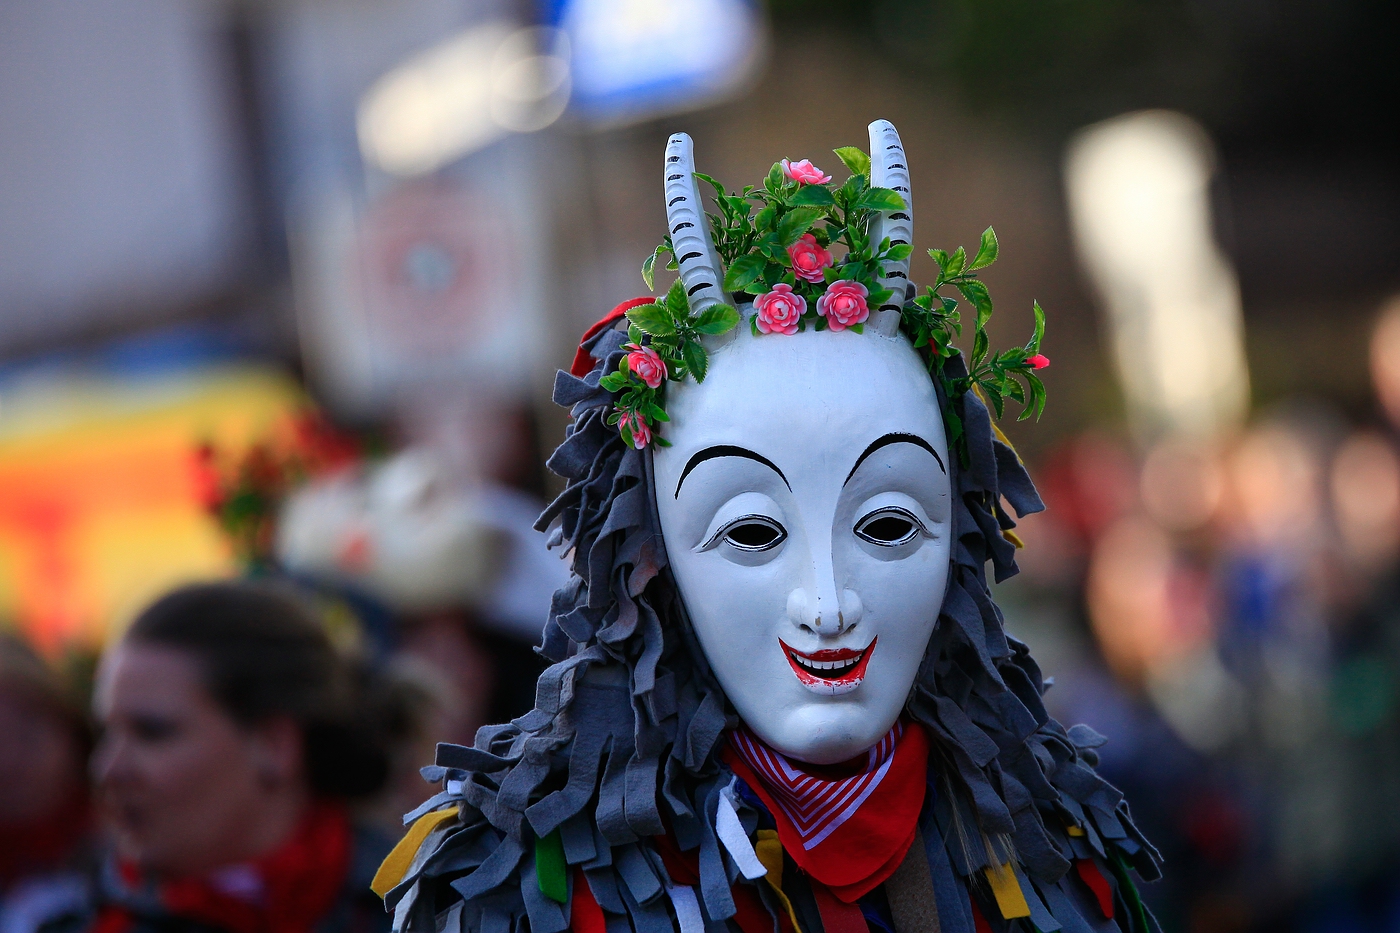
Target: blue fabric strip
[954, 911]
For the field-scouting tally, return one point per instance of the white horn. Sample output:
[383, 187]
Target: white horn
[890, 169]
[690, 228]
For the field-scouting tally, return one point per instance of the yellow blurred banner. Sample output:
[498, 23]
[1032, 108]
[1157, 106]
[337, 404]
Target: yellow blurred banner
[100, 508]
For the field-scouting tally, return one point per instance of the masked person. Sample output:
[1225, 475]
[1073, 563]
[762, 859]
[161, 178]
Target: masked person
[784, 701]
[234, 738]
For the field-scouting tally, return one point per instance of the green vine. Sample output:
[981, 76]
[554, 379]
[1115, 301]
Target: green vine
[932, 320]
[758, 234]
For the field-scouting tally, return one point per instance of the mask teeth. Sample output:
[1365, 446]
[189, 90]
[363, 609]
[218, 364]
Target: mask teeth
[890, 169]
[689, 228]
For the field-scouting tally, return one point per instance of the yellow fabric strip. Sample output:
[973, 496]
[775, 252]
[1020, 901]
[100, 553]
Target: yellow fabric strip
[1074, 830]
[396, 863]
[770, 853]
[1011, 900]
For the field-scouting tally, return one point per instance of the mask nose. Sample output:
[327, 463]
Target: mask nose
[826, 613]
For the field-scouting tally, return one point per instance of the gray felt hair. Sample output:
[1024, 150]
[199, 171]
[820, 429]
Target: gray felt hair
[629, 721]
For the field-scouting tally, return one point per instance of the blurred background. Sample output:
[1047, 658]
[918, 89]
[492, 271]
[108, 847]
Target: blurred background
[283, 284]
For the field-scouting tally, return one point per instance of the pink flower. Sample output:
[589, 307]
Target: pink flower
[641, 431]
[844, 304]
[780, 309]
[646, 364]
[1038, 361]
[809, 258]
[804, 172]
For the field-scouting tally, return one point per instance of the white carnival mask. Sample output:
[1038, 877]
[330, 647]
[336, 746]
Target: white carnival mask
[805, 503]
[805, 506]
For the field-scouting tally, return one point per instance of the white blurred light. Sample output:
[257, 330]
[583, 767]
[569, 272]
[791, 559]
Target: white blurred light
[463, 94]
[636, 59]
[1140, 210]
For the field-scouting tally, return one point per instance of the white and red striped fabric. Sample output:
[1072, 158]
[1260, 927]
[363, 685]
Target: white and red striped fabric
[816, 806]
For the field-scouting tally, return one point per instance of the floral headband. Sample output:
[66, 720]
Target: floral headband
[776, 244]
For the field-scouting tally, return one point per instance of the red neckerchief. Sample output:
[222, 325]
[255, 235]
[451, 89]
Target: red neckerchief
[847, 826]
[289, 890]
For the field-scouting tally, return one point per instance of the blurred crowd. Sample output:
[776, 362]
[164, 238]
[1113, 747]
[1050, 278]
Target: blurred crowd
[1227, 609]
[240, 758]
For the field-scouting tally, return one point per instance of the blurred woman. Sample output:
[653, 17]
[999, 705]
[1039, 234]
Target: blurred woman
[233, 738]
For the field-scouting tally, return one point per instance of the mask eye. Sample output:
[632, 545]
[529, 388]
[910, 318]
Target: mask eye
[889, 527]
[750, 533]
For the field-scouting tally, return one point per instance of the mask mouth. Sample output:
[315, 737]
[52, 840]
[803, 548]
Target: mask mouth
[830, 671]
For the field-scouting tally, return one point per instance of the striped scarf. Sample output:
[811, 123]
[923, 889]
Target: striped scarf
[848, 826]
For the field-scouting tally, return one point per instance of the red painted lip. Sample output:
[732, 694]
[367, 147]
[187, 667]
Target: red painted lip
[849, 678]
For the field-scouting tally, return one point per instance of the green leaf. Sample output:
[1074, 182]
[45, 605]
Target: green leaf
[1037, 396]
[850, 191]
[993, 395]
[719, 189]
[899, 252]
[720, 319]
[955, 263]
[1033, 347]
[677, 303]
[696, 359]
[652, 319]
[773, 248]
[647, 267]
[976, 293]
[856, 160]
[613, 381]
[979, 348]
[813, 196]
[743, 271]
[796, 222]
[879, 199]
[775, 179]
[753, 326]
[634, 333]
[986, 252]
[941, 257]
[763, 222]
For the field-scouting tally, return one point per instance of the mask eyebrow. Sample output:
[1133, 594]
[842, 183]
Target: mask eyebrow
[727, 450]
[896, 438]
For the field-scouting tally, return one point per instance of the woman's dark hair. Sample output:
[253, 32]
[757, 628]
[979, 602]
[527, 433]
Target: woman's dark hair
[263, 654]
